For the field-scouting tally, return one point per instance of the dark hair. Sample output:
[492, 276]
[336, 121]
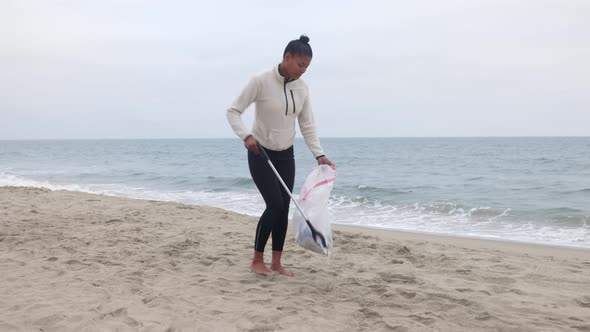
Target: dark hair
[299, 47]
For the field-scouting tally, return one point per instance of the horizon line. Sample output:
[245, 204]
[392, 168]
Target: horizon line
[326, 137]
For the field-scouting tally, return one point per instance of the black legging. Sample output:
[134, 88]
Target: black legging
[275, 218]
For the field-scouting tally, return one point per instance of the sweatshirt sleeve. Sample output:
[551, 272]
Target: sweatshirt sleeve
[308, 129]
[240, 104]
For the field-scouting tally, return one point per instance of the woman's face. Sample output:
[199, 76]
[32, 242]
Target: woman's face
[295, 65]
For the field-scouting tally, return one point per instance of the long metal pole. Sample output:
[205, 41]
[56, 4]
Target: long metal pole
[314, 232]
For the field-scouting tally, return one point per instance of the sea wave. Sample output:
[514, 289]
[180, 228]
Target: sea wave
[577, 191]
[229, 182]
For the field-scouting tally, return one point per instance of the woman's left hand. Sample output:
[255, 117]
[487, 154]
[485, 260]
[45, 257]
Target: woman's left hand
[325, 161]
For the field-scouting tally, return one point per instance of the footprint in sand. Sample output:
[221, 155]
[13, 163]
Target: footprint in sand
[584, 328]
[422, 319]
[49, 320]
[397, 278]
[483, 316]
[120, 313]
[464, 290]
[408, 294]
[75, 265]
[403, 250]
[583, 301]
[366, 314]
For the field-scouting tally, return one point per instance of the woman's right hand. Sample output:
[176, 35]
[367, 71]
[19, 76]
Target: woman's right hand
[323, 160]
[252, 145]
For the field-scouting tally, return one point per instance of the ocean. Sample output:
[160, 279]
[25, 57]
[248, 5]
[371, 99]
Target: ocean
[534, 190]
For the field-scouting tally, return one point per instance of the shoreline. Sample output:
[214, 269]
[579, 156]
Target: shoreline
[460, 238]
[73, 261]
[361, 227]
[471, 242]
[570, 238]
[382, 231]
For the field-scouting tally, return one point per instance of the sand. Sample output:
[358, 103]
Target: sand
[72, 261]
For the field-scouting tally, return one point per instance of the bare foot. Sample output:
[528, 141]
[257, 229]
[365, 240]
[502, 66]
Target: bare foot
[280, 269]
[259, 268]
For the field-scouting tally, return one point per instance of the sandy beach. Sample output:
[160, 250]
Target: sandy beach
[73, 261]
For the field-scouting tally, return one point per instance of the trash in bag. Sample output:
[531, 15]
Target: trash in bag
[313, 200]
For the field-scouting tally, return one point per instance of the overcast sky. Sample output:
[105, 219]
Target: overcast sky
[170, 69]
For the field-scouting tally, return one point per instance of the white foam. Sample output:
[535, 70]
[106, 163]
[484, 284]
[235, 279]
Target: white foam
[461, 223]
[247, 203]
[10, 180]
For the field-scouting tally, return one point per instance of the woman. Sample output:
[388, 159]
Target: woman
[280, 97]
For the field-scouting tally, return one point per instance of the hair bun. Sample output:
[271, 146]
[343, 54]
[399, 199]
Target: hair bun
[304, 39]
